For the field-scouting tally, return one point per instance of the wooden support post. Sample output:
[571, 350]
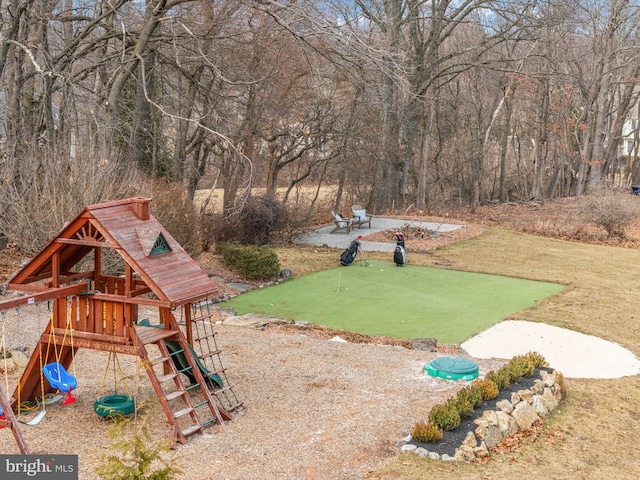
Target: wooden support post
[11, 422]
[187, 321]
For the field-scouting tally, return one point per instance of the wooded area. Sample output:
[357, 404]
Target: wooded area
[395, 103]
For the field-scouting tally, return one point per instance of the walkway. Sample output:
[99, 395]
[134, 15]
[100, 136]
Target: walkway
[323, 238]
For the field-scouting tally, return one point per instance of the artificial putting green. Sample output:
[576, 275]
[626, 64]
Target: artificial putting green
[407, 302]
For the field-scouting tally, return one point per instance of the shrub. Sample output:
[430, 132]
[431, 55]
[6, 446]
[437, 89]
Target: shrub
[216, 228]
[464, 407]
[523, 366]
[230, 253]
[43, 195]
[448, 416]
[255, 263]
[560, 380]
[501, 378]
[512, 371]
[472, 393]
[260, 217]
[134, 455]
[488, 388]
[256, 223]
[611, 212]
[445, 416]
[426, 432]
[537, 359]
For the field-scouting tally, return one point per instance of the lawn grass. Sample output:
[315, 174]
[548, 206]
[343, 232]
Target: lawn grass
[594, 426]
[408, 302]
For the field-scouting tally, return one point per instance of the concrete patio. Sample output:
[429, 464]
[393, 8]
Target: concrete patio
[322, 236]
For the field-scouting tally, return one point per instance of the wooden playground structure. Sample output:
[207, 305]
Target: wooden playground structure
[95, 310]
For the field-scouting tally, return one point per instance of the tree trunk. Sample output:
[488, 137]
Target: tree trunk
[541, 148]
[504, 145]
[422, 197]
[386, 185]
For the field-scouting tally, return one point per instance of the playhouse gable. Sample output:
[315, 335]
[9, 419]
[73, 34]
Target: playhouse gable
[149, 251]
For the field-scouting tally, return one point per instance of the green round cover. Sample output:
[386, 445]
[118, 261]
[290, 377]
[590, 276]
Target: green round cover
[452, 368]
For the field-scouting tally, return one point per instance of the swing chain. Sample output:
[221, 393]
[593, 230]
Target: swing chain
[113, 358]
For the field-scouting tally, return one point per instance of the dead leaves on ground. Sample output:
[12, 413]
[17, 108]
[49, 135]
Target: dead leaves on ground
[514, 443]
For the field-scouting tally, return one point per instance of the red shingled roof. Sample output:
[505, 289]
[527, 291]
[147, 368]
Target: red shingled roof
[127, 226]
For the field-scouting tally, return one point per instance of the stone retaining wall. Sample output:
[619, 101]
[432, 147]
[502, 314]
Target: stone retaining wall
[525, 408]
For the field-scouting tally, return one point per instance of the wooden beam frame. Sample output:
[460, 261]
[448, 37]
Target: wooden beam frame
[43, 296]
[87, 243]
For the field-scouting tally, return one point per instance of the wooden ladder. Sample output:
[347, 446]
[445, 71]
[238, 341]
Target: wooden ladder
[183, 405]
[11, 421]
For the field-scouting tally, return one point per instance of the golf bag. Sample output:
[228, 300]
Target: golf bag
[350, 252]
[399, 256]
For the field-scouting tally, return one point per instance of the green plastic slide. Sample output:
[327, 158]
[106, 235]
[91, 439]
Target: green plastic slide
[182, 364]
[180, 361]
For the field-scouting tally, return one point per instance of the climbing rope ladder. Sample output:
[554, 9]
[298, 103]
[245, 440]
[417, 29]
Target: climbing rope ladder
[205, 345]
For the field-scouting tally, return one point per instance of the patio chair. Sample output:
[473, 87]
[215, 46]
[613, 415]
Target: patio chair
[361, 217]
[341, 224]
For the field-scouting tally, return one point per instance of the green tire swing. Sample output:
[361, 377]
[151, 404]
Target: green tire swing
[116, 405]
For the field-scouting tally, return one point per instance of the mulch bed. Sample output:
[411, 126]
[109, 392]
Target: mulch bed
[418, 239]
[452, 439]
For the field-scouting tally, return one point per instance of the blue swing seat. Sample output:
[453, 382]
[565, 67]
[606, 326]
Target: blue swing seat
[59, 378]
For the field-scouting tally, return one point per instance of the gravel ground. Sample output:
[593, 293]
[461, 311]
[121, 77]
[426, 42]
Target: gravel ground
[316, 408]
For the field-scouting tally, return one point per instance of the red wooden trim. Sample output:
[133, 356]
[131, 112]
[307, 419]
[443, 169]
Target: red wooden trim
[97, 262]
[46, 253]
[114, 203]
[83, 312]
[60, 339]
[194, 298]
[41, 297]
[27, 285]
[139, 291]
[108, 317]
[55, 269]
[131, 300]
[97, 311]
[59, 310]
[188, 323]
[87, 243]
[111, 286]
[103, 346]
[12, 422]
[128, 279]
[140, 207]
